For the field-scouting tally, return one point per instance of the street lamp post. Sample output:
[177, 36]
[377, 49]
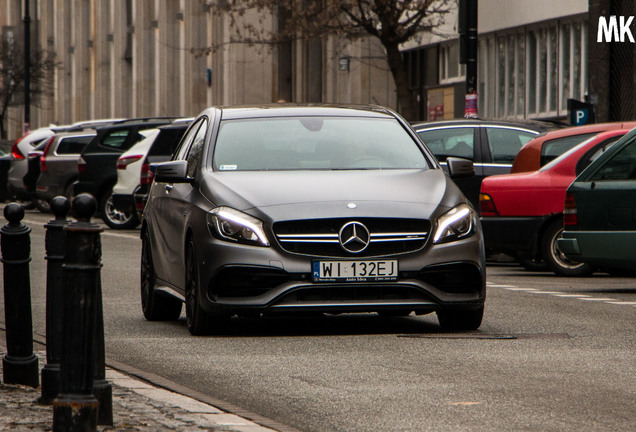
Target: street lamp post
[468, 52]
[27, 67]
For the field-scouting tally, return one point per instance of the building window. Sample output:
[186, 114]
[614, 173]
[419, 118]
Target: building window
[449, 68]
[573, 40]
[532, 72]
[503, 67]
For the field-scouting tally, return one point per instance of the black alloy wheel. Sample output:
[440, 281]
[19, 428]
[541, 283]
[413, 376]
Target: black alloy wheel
[155, 305]
[199, 321]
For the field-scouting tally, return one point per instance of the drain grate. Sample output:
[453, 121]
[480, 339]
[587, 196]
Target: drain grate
[544, 336]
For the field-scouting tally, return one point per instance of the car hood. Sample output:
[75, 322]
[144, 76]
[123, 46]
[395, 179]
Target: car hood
[284, 194]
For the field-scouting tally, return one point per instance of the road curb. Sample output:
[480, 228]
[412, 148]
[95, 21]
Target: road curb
[162, 391]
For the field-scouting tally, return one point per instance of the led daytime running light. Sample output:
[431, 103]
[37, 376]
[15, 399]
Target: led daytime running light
[447, 220]
[235, 217]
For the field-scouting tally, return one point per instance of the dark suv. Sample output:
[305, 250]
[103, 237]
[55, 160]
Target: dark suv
[97, 165]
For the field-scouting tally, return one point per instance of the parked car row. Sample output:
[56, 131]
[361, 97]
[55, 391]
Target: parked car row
[26, 144]
[522, 213]
[523, 172]
[82, 158]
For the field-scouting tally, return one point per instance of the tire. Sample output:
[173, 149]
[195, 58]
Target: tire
[154, 305]
[198, 321]
[554, 259]
[533, 265]
[43, 205]
[114, 218]
[461, 319]
[27, 205]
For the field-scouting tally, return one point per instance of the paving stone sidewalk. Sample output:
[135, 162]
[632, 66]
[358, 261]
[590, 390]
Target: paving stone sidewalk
[137, 406]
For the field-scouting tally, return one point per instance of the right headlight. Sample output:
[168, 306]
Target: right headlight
[454, 224]
[233, 225]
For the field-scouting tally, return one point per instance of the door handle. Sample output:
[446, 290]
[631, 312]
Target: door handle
[169, 188]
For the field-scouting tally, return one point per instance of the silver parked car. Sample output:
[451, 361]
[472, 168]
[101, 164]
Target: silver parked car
[272, 209]
[58, 164]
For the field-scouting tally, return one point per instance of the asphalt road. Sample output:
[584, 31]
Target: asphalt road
[553, 354]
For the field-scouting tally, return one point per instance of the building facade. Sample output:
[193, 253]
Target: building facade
[140, 58]
[136, 58]
[532, 58]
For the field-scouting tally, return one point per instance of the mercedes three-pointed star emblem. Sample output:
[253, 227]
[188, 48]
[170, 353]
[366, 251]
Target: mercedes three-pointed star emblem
[354, 237]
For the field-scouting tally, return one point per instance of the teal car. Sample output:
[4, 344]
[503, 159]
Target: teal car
[600, 210]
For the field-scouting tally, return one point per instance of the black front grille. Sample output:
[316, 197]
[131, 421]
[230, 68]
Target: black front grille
[355, 293]
[319, 237]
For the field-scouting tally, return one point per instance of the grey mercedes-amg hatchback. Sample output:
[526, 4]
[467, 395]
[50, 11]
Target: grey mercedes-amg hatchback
[334, 209]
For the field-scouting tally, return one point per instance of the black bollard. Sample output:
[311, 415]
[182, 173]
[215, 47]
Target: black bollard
[20, 365]
[76, 408]
[55, 249]
[102, 389]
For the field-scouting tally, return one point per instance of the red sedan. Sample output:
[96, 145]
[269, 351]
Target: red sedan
[522, 214]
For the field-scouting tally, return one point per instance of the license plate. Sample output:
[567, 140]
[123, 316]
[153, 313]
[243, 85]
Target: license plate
[355, 271]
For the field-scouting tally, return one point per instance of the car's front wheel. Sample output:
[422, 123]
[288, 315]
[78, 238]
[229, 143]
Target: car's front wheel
[42, 205]
[114, 218]
[461, 319]
[556, 260]
[199, 321]
[155, 306]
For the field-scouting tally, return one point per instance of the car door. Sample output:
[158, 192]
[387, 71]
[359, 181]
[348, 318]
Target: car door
[63, 164]
[500, 145]
[173, 203]
[608, 194]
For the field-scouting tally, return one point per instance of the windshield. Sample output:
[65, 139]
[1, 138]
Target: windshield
[315, 143]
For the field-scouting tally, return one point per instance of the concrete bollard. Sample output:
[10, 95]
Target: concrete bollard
[20, 365]
[76, 408]
[55, 249]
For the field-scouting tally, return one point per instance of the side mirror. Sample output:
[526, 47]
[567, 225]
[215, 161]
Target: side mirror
[172, 172]
[460, 167]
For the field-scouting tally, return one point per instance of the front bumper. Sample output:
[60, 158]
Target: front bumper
[512, 235]
[241, 278]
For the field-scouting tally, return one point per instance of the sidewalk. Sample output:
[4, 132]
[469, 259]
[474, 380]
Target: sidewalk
[137, 406]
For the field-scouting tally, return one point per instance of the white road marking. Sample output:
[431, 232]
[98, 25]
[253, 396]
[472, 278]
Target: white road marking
[521, 289]
[605, 299]
[583, 297]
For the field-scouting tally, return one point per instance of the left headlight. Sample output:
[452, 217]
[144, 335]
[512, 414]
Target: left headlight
[454, 225]
[233, 225]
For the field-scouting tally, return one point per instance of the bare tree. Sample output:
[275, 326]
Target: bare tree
[392, 22]
[13, 73]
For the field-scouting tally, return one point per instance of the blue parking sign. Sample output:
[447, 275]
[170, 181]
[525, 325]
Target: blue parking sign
[581, 116]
